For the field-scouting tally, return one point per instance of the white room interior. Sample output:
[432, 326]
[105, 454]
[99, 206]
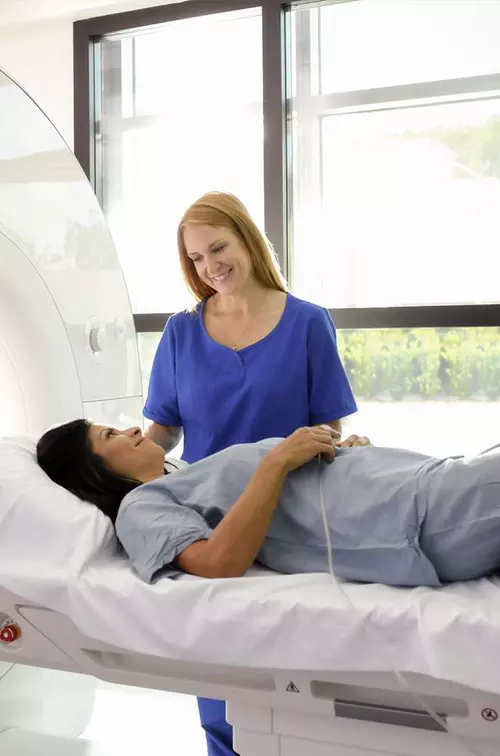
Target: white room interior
[36, 49]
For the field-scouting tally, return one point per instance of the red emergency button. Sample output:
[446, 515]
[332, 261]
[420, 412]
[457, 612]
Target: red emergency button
[10, 633]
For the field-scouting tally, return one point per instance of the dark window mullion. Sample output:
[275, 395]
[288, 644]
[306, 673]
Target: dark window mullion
[274, 110]
[363, 318]
[428, 316]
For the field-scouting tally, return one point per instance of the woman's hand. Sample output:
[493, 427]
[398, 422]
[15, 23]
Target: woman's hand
[305, 444]
[354, 440]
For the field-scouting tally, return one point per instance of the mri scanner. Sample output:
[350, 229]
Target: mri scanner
[303, 670]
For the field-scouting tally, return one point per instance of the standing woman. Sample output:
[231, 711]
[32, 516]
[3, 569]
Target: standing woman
[249, 362]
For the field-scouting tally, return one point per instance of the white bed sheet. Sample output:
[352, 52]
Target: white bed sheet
[60, 553]
[277, 621]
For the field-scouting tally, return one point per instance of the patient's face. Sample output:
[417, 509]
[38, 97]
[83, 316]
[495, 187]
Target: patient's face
[127, 452]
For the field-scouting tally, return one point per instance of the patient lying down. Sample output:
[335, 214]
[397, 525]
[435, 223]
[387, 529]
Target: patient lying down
[396, 517]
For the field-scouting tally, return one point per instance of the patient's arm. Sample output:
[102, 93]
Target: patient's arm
[167, 436]
[234, 544]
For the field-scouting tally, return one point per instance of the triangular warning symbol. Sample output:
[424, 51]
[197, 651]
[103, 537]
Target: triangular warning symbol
[292, 688]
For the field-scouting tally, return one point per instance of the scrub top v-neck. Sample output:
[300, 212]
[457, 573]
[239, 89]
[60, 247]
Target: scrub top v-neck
[290, 378]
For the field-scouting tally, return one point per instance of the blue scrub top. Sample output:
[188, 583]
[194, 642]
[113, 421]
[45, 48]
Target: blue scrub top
[291, 378]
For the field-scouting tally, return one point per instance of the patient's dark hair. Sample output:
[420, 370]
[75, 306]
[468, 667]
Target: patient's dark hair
[65, 454]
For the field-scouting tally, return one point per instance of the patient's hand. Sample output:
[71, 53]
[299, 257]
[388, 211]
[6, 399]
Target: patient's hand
[303, 445]
[354, 440]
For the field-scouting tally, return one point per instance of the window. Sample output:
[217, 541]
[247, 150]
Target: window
[148, 344]
[383, 43]
[382, 201]
[396, 170]
[395, 182]
[435, 390]
[180, 114]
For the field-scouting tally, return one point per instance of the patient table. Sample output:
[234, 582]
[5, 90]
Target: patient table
[300, 673]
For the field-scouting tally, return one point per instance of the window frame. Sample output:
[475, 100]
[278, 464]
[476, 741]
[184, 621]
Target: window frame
[86, 36]
[277, 143]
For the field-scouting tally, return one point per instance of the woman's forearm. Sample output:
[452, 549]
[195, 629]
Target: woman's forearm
[233, 545]
[166, 436]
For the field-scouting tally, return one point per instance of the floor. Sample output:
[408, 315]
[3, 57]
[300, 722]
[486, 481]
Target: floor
[129, 721]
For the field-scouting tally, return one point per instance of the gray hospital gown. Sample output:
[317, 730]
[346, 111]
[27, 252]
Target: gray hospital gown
[395, 517]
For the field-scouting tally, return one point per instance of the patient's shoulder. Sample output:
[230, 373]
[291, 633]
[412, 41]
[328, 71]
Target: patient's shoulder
[172, 464]
[153, 493]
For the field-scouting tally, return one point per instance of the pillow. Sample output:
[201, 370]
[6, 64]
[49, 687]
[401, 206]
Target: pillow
[44, 529]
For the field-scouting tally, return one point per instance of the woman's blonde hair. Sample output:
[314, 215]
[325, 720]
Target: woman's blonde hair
[222, 210]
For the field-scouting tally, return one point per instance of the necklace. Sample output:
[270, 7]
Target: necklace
[234, 345]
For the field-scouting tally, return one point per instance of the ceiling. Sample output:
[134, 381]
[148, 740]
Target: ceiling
[26, 11]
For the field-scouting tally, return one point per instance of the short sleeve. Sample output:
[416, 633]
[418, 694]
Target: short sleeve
[162, 403]
[154, 530]
[330, 394]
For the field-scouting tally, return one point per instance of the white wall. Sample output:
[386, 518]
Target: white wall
[40, 57]
[36, 48]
